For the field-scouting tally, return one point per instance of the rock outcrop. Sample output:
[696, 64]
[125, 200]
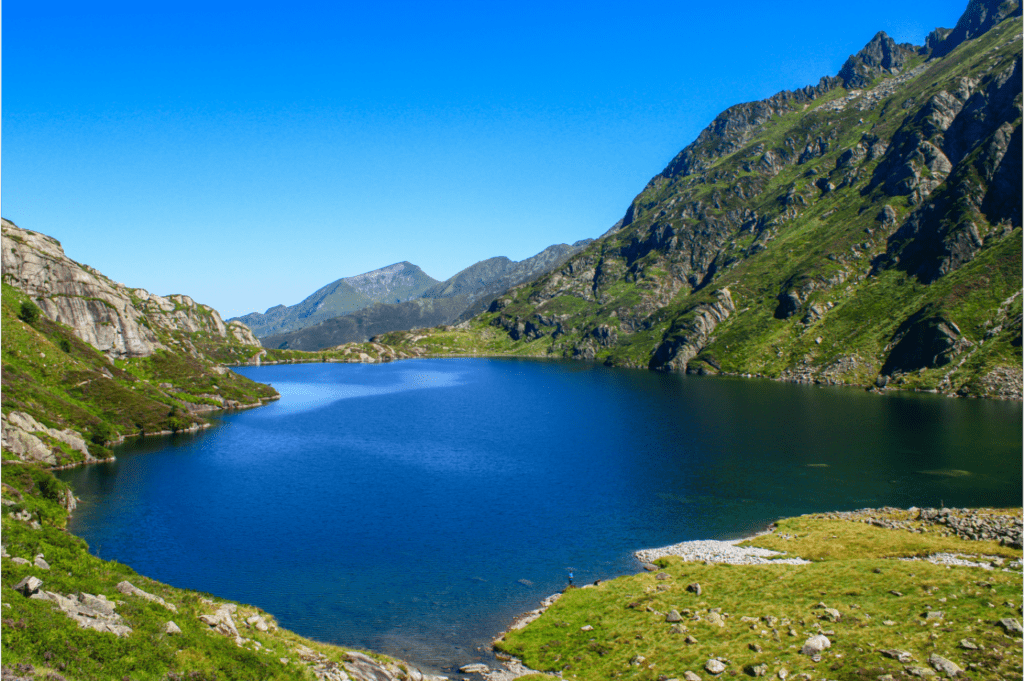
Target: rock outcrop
[116, 320]
[24, 437]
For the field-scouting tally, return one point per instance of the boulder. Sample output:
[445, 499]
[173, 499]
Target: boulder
[815, 645]
[28, 585]
[941, 664]
[128, 588]
[171, 629]
[714, 666]
[1011, 626]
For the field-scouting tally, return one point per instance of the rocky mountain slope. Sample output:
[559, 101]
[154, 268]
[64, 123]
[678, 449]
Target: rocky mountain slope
[87, 360]
[865, 230]
[465, 294]
[392, 284]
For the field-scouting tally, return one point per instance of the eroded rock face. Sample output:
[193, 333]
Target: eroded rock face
[114, 319]
[676, 353]
[21, 435]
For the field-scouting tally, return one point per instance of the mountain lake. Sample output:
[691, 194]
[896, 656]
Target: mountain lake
[414, 508]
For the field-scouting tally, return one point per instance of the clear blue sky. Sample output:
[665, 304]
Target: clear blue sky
[247, 154]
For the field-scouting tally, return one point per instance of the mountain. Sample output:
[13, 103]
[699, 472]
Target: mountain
[391, 284]
[88, 360]
[865, 230]
[465, 294]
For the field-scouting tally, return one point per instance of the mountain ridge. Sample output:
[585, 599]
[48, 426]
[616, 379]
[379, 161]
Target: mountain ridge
[459, 297]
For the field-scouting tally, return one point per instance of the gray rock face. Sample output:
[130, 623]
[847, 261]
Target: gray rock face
[688, 341]
[110, 317]
[880, 56]
[979, 16]
[21, 436]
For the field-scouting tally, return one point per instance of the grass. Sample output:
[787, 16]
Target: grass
[770, 610]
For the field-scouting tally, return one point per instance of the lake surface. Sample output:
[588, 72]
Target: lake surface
[414, 508]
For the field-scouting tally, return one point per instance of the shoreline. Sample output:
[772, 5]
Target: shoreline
[866, 387]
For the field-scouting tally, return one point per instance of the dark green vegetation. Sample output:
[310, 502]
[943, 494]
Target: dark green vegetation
[465, 294]
[867, 229]
[767, 612]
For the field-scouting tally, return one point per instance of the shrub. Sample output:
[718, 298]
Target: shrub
[29, 312]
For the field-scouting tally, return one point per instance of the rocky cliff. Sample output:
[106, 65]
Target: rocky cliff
[87, 361]
[864, 230]
[118, 321]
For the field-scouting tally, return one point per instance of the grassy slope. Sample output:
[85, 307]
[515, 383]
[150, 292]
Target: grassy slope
[853, 570]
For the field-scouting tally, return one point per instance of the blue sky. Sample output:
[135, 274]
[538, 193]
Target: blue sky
[248, 153]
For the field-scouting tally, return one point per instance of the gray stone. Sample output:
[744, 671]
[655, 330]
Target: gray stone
[919, 671]
[1011, 626]
[663, 575]
[714, 666]
[934, 615]
[715, 619]
[28, 585]
[941, 664]
[20, 561]
[898, 655]
[695, 588]
[673, 616]
[476, 668]
[40, 563]
[172, 629]
[757, 669]
[815, 644]
[128, 588]
[832, 615]
[690, 676]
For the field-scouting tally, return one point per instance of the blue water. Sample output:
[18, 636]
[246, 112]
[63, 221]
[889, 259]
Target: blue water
[414, 508]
